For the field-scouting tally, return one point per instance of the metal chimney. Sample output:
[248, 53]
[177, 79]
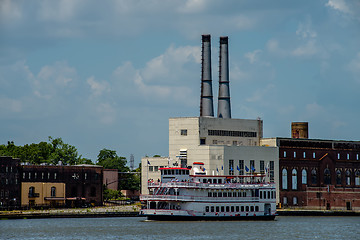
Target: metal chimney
[224, 109]
[206, 99]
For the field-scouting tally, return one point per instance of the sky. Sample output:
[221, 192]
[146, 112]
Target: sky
[110, 74]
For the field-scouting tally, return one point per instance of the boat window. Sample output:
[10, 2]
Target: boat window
[214, 180]
[256, 208]
[214, 194]
[204, 180]
[225, 194]
[217, 208]
[247, 208]
[172, 172]
[220, 194]
[177, 172]
[209, 194]
[242, 208]
[268, 194]
[232, 209]
[227, 209]
[260, 194]
[220, 181]
[207, 209]
[222, 209]
[244, 194]
[237, 208]
[256, 192]
[251, 208]
[212, 209]
[234, 194]
[265, 195]
[187, 172]
[239, 194]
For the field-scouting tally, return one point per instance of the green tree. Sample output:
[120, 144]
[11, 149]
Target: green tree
[110, 160]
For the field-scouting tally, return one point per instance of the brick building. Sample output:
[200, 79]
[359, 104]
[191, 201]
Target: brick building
[10, 183]
[83, 184]
[318, 174]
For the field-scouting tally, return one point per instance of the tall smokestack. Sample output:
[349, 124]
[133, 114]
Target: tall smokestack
[206, 99]
[224, 109]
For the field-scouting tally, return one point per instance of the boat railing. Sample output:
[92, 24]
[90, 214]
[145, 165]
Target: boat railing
[196, 198]
[211, 185]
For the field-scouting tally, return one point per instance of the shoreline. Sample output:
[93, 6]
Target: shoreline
[133, 211]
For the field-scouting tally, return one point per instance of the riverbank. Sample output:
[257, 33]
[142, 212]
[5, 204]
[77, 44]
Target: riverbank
[133, 211]
[301, 212]
[106, 211]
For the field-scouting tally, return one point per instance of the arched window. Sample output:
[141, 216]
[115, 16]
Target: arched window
[327, 176]
[347, 177]
[53, 191]
[31, 190]
[304, 177]
[313, 177]
[284, 179]
[294, 179]
[338, 177]
[295, 201]
[357, 178]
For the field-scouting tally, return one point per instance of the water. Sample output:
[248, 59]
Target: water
[139, 228]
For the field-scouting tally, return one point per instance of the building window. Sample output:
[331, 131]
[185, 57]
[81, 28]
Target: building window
[357, 178]
[313, 177]
[183, 132]
[314, 155]
[231, 167]
[284, 154]
[347, 174]
[55, 175]
[252, 166]
[85, 176]
[42, 175]
[31, 191]
[156, 168]
[327, 176]
[357, 156]
[294, 154]
[338, 177]
[338, 155]
[295, 202]
[304, 154]
[304, 177]
[348, 156]
[294, 179]
[285, 200]
[284, 179]
[151, 168]
[272, 171]
[202, 141]
[241, 167]
[53, 191]
[262, 167]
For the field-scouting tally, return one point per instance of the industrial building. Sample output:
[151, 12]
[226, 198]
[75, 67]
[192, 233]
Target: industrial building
[316, 173]
[225, 145]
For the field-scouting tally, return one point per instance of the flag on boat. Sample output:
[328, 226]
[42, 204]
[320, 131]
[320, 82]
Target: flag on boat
[204, 169]
[217, 169]
[252, 168]
[246, 169]
[222, 167]
[237, 167]
[231, 169]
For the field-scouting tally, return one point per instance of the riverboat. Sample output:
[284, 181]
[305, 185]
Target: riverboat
[191, 194]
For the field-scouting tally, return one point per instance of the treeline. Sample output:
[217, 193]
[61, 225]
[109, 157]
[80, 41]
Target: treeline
[55, 151]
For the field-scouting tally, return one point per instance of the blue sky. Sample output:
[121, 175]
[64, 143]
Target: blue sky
[109, 74]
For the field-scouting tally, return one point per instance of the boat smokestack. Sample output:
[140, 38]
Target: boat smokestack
[206, 99]
[224, 109]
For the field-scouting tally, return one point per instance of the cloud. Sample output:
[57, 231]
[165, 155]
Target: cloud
[339, 5]
[348, 9]
[98, 87]
[253, 56]
[10, 11]
[10, 105]
[52, 79]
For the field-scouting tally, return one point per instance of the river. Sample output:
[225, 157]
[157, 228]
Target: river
[138, 228]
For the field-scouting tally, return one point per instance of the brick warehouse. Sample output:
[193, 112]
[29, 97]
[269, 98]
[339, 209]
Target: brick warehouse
[318, 174]
[10, 183]
[83, 184]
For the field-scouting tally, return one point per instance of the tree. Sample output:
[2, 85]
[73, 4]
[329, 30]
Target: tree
[110, 160]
